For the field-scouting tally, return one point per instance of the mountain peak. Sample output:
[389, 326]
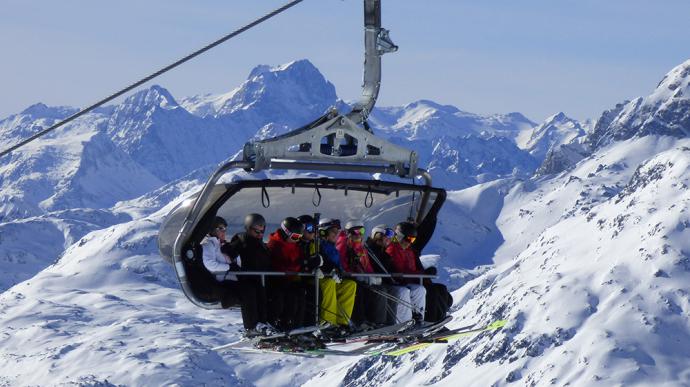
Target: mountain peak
[41, 110]
[664, 112]
[273, 92]
[558, 118]
[300, 67]
[151, 97]
[425, 103]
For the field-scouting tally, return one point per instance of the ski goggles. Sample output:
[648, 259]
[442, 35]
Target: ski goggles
[221, 228]
[358, 231]
[410, 239]
[401, 237]
[309, 228]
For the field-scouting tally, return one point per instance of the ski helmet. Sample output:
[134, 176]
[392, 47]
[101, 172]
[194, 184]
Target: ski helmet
[254, 220]
[355, 226]
[308, 222]
[383, 229]
[292, 228]
[326, 224]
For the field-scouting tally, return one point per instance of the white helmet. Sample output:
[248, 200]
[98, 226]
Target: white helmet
[380, 228]
[353, 223]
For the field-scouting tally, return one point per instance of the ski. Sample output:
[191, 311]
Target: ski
[414, 332]
[255, 340]
[380, 332]
[442, 338]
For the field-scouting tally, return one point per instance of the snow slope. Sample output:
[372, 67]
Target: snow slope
[594, 285]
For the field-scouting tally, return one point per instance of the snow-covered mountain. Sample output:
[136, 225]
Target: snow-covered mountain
[589, 264]
[664, 112]
[425, 120]
[556, 130]
[292, 94]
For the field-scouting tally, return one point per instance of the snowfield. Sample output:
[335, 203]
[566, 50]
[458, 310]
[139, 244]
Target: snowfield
[588, 262]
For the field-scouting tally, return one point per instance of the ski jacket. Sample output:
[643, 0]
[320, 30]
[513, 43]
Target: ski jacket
[310, 257]
[253, 252]
[214, 260]
[353, 257]
[382, 256]
[285, 256]
[331, 257]
[403, 260]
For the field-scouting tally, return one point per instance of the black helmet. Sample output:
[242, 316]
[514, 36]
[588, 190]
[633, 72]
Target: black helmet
[405, 230]
[291, 226]
[308, 222]
[217, 222]
[252, 220]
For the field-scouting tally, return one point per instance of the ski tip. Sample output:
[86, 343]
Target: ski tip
[498, 324]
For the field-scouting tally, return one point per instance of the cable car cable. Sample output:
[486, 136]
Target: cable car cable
[154, 75]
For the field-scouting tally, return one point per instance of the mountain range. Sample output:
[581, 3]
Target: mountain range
[576, 233]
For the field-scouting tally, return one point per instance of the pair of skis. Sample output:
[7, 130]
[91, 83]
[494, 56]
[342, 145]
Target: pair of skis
[251, 342]
[396, 340]
[443, 337]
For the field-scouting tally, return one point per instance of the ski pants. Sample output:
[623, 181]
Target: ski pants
[438, 302]
[253, 300]
[369, 305]
[337, 301]
[409, 294]
[287, 302]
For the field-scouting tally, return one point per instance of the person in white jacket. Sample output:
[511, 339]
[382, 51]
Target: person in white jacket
[214, 260]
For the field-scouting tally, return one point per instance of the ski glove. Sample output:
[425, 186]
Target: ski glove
[318, 273]
[374, 281]
[336, 277]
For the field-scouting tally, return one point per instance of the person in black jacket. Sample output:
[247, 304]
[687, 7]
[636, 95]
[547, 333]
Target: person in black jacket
[253, 256]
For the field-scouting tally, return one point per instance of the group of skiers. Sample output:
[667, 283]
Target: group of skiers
[356, 290]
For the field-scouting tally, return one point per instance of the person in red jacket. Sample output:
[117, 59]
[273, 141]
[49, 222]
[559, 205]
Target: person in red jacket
[404, 261]
[370, 305]
[288, 294]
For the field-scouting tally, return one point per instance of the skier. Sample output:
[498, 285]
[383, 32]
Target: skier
[404, 261]
[218, 264]
[288, 294]
[369, 305]
[338, 295]
[254, 256]
[310, 261]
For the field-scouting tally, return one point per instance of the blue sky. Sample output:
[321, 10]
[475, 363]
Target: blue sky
[535, 57]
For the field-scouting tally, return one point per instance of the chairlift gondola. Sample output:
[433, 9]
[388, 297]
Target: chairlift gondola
[334, 145]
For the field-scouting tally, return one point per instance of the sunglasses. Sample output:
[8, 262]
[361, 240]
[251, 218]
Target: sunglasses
[258, 230]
